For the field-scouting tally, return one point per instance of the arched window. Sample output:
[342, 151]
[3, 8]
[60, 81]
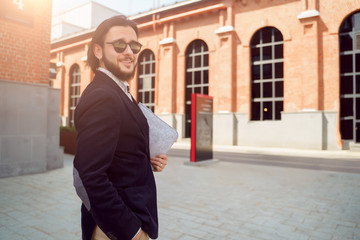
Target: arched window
[146, 79]
[349, 40]
[267, 83]
[74, 91]
[197, 77]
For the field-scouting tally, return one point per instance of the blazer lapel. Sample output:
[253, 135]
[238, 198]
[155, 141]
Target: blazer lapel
[132, 106]
[136, 113]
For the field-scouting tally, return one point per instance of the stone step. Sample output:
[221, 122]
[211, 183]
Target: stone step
[354, 147]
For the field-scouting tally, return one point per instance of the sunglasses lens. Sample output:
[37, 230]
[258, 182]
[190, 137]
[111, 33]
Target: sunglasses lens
[119, 46]
[135, 47]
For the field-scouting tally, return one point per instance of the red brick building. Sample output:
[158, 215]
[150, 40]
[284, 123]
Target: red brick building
[283, 73]
[29, 108]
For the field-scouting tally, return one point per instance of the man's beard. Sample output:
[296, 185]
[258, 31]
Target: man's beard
[114, 69]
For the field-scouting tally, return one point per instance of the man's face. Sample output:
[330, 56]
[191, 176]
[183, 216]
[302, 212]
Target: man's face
[122, 65]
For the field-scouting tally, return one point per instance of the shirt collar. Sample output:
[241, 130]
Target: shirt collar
[122, 84]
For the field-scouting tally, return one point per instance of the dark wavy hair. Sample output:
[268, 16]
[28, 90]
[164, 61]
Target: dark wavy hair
[99, 35]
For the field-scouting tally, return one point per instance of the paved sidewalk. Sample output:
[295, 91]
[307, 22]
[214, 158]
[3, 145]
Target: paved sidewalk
[221, 201]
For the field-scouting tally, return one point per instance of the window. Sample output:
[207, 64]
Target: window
[267, 72]
[349, 40]
[52, 74]
[74, 92]
[146, 79]
[196, 77]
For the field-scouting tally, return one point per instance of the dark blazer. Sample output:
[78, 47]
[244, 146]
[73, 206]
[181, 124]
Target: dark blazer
[112, 170]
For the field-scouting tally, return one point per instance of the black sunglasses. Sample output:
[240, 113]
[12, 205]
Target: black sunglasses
[121, 45]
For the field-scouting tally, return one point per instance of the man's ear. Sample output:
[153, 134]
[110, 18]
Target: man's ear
[98, 51]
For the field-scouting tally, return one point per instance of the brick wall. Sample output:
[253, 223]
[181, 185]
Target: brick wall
[24, 47]
[310, 48]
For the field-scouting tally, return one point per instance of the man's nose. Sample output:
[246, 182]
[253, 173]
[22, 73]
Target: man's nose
[128, 50]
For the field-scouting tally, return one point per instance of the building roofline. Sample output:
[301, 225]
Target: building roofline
[141, 15]
[163, 9]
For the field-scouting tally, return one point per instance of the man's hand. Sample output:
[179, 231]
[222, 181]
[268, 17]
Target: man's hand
[159, 162]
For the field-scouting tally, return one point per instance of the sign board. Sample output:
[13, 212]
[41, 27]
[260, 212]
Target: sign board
[201, 127]
[18, 10]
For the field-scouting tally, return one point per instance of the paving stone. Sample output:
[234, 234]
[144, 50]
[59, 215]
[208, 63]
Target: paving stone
[223, 201]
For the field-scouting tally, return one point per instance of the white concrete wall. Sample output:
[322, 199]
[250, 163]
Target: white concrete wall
[29, 128]
[301, 130]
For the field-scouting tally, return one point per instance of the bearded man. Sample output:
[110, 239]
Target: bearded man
[113, 171]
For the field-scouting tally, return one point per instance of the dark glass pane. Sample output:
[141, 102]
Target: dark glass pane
[255, 54]
[278, 35]
[197, 90]
[153, 68]
[357, 107]
[140, 83]
[266, 35]
[197, 46]
[206, 90]
[346, 129]
[278, 109]
[206, 60]
[189, 78]
[357, 22]
[141, 68]
[188, 94]
[346, 107]
[357, 63]
[346, 64]
[205, 48]
[255, 90]
[152, 97]
[147, 97]
[146, 56]
[357, 87]
[357, 132]
[189, 62]
[147, 69]
[279, 89]
[267, 71]
[279, 70]
[279, 51]
[255, 111]
[206, 76]
[346, 43]
[346, 85]
[188, 110]
[267, 111]
[256, 39]
[255, 72]
[267, 53]
[347, 25]
[140, 97]
[198, 61]
[198, 77]
[267, 89]
[152, 82]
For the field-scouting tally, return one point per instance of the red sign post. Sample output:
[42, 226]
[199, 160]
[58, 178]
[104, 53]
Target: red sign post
[201, 127]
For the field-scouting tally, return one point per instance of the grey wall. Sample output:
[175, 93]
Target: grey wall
[302, 130]
[29, 128]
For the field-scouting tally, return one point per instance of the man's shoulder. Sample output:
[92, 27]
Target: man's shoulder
[101, 82]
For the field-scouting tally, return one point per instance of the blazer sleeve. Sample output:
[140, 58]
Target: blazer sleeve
[98, 120]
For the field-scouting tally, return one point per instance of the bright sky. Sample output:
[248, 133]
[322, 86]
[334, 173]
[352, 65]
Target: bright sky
[127, 7]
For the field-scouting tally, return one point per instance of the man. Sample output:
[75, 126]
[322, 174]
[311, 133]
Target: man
[113, 172]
